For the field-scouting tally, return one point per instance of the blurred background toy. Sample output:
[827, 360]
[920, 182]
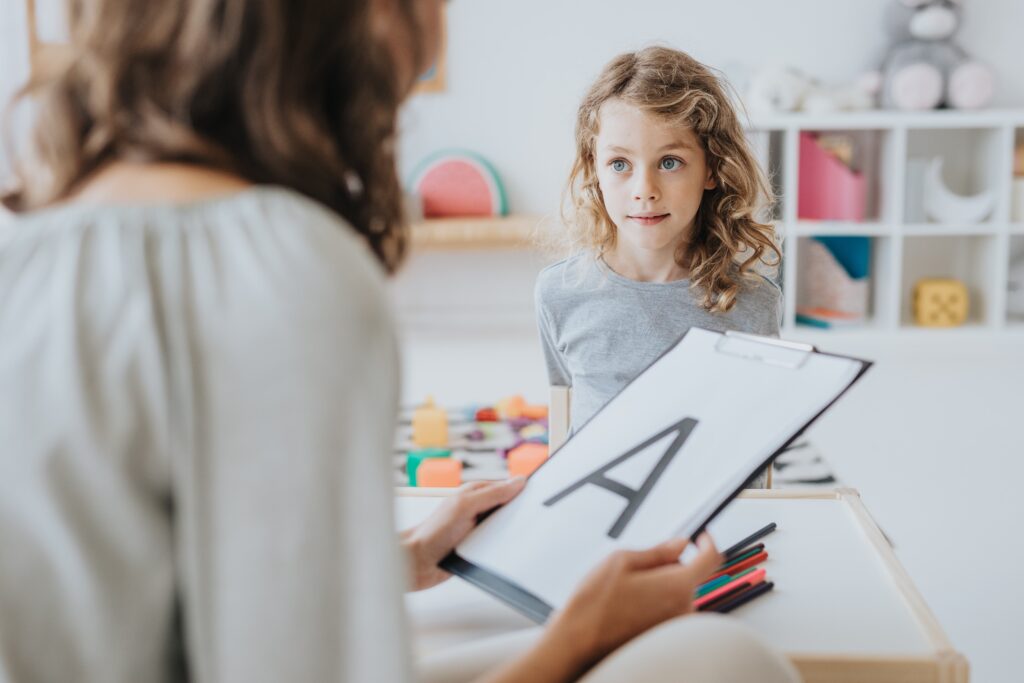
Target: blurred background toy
[834, 281]
[940, 302]
[924, 68]
[784, 89]
[942, 205]
[453, 183]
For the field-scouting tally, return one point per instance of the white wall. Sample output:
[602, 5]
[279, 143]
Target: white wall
[516, 70]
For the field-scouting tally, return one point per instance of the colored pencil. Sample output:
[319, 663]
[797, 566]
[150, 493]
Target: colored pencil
[760, 533]
[749, 579]
[734, 602]
[741, 565]
[706, 588]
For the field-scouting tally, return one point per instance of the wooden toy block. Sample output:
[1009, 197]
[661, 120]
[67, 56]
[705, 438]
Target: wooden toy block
[429, 426]
[511, 408]
[439, 472]
[487, 415]
[533, 432]
[416, 458]
[535, 412]
[524, 459]
[940, 302]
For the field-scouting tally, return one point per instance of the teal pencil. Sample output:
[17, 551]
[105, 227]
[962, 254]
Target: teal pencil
[721, 581]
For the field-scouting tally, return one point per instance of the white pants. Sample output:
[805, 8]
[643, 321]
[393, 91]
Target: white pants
[703, 648]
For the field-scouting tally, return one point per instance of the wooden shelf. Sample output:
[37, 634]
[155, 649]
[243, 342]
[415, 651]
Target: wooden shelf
[490, 232]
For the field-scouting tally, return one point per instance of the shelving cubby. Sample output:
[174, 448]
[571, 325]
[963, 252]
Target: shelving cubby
[906, 245]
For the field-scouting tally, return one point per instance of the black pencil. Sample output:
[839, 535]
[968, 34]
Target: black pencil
[738, 547]
[744, 597]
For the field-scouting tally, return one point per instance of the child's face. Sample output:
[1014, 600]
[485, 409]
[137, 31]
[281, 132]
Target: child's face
[652, 174]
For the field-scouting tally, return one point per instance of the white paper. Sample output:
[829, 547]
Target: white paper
[744, 410]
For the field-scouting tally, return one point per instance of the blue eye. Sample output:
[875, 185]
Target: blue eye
[619, 166]
[670, 164]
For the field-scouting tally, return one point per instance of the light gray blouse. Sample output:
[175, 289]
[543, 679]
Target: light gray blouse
[196, 417]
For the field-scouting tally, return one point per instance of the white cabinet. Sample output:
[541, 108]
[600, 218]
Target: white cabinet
[976, 149]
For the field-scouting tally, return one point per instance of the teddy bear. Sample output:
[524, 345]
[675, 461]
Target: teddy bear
[784, 89]
[924, 68]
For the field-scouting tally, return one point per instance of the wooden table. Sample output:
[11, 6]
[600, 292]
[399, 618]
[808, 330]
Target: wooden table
[843, 608]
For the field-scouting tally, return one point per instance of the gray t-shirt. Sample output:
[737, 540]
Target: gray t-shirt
[599, 329]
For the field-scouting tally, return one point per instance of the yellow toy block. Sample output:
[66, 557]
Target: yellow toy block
[511, 408]
[535, 412]
[429, 426]
[940, 302]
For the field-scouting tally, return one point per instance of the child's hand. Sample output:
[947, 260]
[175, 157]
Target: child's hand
[430, 542]
[630, 592]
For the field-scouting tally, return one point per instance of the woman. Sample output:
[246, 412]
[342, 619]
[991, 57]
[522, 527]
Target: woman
[198, 375]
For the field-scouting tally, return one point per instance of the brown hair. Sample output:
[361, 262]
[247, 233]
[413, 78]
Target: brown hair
[291, 92]
[673, 85]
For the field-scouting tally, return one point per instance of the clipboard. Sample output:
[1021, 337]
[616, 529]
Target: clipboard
[662, 458]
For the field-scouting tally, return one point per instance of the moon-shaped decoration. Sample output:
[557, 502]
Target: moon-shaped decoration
[945, 206]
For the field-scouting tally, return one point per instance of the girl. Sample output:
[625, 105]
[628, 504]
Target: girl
[661, 202]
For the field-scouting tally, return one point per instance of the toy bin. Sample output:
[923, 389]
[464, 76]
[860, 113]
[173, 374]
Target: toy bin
[829, 188]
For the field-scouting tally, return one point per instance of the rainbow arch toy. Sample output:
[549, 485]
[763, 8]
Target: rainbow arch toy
[458, 183]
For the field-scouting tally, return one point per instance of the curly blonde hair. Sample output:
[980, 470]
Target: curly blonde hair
[296, 93]
[728, 240]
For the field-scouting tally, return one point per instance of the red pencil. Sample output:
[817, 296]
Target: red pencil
[749, 562]
[749, 579]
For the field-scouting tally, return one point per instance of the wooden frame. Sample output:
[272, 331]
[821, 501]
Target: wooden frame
[943, 665]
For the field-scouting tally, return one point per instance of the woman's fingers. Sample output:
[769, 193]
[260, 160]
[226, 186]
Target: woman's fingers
[490, 495]
[707, 560]
[656, 556]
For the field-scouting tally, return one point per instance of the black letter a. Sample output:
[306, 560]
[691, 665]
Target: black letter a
[635, 498]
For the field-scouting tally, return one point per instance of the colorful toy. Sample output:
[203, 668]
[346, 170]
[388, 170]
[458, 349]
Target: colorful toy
[525, 458]
[924, 69]
[511, 408]
[458, 183]
[833, 280]
[535, 412]
[940, 302]
[439, 473]
[487, 415]
[429, 426]
[416, 458]
[829, 189]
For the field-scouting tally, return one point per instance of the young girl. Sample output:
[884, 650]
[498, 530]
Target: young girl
[663, 198]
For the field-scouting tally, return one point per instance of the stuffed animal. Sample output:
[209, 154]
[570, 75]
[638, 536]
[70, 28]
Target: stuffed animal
[780, 89]
[924, 68]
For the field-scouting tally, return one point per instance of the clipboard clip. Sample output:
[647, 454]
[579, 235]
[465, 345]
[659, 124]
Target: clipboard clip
[786, 354]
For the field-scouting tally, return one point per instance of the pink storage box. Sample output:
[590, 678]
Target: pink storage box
[828, 190]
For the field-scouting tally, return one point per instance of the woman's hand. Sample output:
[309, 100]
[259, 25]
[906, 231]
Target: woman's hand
[430, 541]
[628, 593]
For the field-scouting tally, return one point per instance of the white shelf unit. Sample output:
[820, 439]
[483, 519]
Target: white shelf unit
[977, 149]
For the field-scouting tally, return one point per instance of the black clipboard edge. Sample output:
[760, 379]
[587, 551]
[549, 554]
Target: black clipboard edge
[865, 365]
[523, 601]
[534, 608]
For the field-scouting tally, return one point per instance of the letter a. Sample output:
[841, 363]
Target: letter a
[634, 498]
